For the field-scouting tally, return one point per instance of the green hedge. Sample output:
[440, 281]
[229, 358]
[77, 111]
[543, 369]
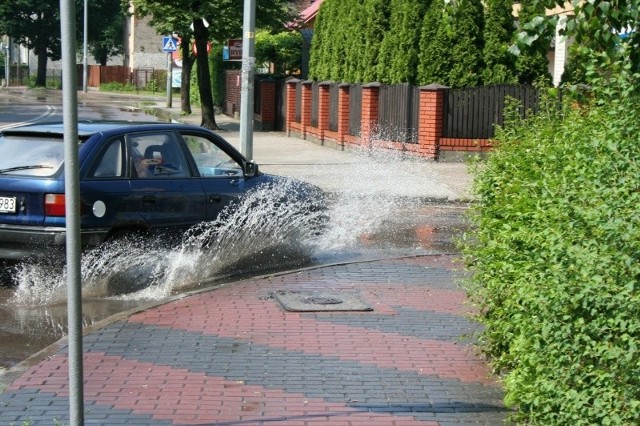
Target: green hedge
[555, 262]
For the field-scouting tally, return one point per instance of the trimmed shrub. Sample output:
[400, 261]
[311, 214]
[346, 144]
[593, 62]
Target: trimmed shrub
[555, 263]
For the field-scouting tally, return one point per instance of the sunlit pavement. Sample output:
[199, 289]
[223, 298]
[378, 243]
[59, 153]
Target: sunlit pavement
[237, 355]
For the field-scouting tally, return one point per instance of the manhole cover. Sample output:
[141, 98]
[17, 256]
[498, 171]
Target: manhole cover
[306, 301]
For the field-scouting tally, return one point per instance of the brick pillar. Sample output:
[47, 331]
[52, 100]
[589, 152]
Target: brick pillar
[305, 108]
[323, 108]
[268, 104]
[343, 112]
[370, 99]
[431, 119]
[292, 84]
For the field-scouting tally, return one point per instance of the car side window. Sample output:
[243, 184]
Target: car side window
[111, 161]
[156, 156]
[210, 159]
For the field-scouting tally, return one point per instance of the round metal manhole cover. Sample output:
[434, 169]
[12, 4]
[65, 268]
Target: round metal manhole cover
[319, 300]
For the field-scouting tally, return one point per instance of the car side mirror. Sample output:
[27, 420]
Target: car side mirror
[250, 169]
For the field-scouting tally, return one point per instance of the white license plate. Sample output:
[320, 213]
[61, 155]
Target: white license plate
[7, 204]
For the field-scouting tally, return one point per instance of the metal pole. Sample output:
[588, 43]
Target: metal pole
[246, 89]
[72, 197]
[169, 78]
[84, 49]
[7, 61]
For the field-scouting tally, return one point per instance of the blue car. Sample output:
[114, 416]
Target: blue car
[134, 178]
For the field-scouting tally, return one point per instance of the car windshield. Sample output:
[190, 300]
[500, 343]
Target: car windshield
[30, 155]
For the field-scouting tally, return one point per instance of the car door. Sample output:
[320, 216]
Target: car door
[105, 191]
[220, 169]
[162, 186]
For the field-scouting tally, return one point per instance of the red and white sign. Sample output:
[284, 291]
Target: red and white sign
[235, 49]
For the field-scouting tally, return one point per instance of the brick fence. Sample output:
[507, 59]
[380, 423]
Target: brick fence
[430, 141]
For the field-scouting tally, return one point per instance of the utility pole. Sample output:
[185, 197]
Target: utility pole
[84, 48]
[72, 209]
[7, 60]
[248, 70]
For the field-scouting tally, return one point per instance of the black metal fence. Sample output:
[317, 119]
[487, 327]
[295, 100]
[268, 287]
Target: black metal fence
[281, 104]
[399, 107]
[468, 113]
[315, 98]
[333, 106]
[355, 109]
[474, 113]
[298, 117]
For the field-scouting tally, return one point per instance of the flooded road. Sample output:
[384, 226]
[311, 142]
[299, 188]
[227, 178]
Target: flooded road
[33, 315]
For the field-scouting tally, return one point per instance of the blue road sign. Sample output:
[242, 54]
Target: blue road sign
[169, 44]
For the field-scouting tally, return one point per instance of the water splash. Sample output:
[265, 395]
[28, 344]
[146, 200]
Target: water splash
[269, 229]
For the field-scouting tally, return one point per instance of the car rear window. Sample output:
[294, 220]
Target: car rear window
[30, 155]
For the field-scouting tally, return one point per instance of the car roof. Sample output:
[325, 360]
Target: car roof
[87, 128]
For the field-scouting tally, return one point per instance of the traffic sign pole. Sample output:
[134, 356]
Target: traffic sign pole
[169, 78]
[169, 46]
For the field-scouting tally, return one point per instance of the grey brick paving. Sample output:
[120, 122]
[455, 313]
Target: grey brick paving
[409, 322]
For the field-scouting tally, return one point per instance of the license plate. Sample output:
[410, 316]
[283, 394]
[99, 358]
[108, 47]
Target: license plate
[7, 204]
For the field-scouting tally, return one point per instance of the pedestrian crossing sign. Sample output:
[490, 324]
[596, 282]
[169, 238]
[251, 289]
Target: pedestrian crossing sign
[169, 44]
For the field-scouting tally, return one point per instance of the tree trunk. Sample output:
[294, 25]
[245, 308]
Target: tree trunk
[185, 84]
[41, 74]
[201, 35]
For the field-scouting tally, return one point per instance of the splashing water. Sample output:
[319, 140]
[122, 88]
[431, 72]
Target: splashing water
[275, 226]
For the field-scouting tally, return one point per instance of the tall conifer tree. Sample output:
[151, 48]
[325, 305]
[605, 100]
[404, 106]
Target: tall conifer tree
[398, 59]
[467, 43]
[498, 36]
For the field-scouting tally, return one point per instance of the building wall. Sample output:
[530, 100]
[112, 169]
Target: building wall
[143, 46]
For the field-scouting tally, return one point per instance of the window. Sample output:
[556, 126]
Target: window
[210, 159]
[110, 163]
[156, 156]
[31, 155]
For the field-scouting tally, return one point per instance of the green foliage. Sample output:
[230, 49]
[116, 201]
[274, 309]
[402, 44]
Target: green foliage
[283, 49]
[498, 34]
[118, 87]
[218, 76]
[398, 57]
[106, 24]
[318, 57]
[451, 44]
[595, 26]
[532, 65]
[347, 39]
[467, 26]
[434, 58]
[556, 261]
[376, 14]
[35, 24]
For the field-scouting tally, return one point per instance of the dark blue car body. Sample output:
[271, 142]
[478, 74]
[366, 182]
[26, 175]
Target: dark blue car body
[183, 175]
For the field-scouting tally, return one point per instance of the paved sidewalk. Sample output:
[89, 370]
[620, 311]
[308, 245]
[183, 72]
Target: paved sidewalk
[234, 355]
